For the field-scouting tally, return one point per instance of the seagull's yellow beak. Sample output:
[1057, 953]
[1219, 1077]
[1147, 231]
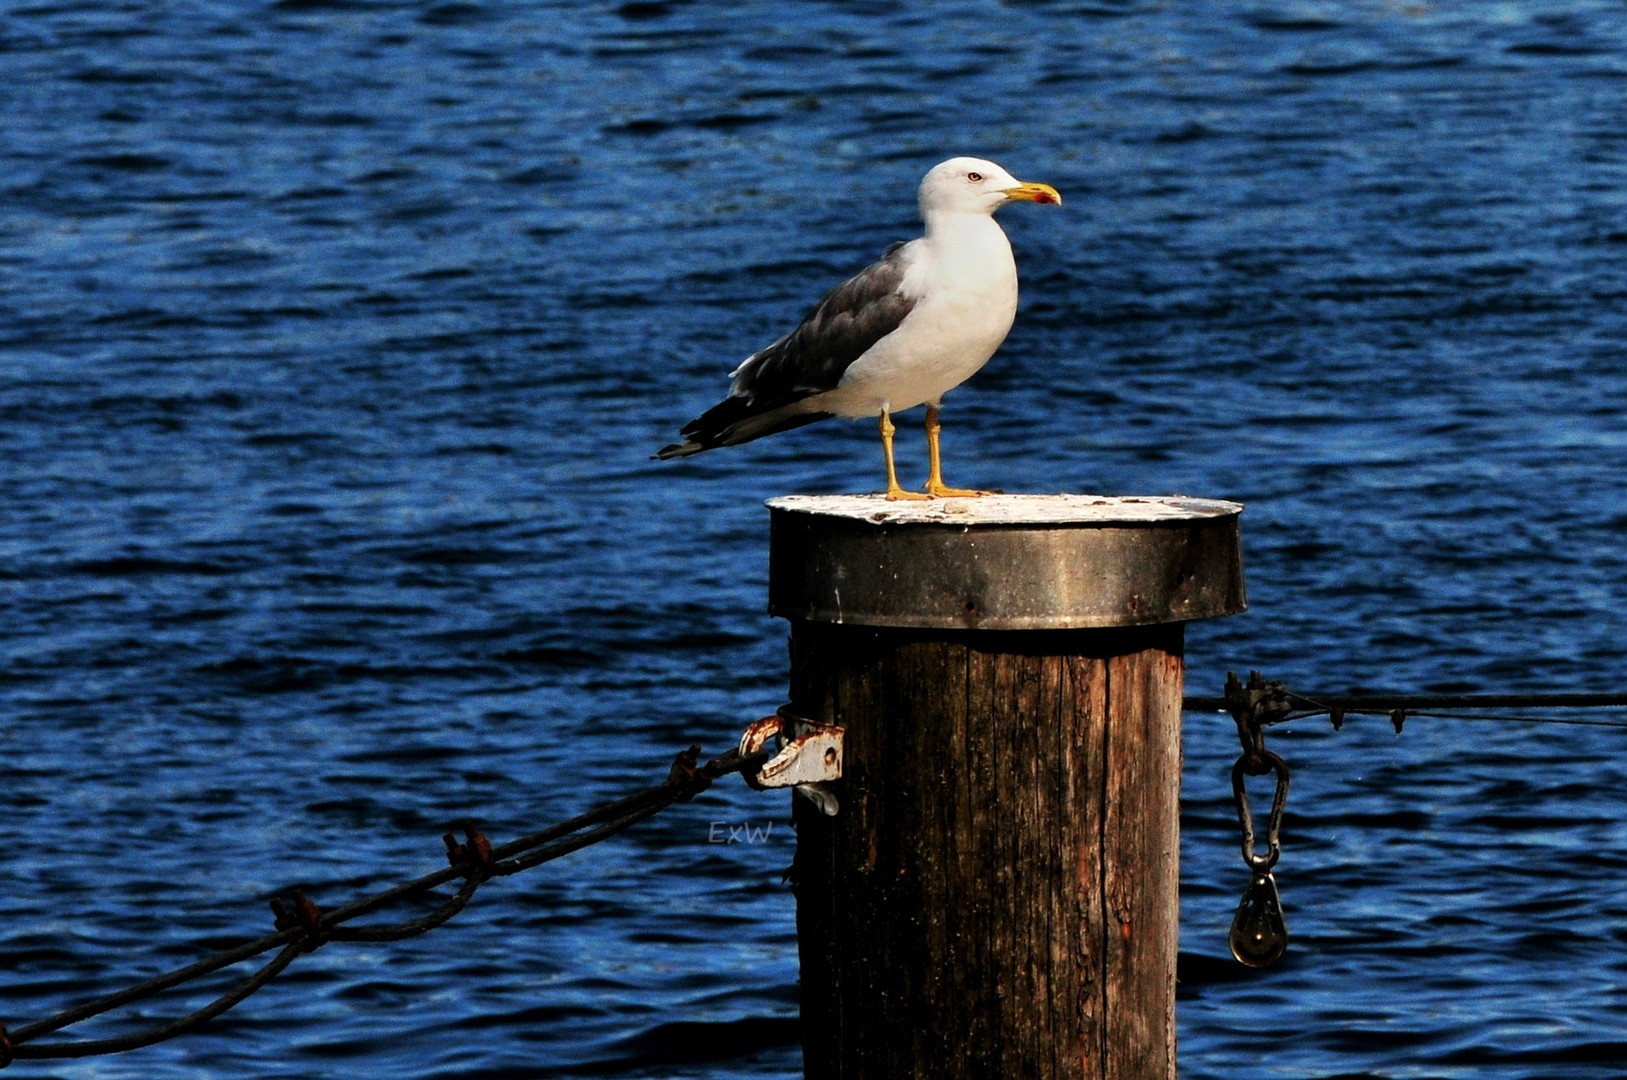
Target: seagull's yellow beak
[1039, 193]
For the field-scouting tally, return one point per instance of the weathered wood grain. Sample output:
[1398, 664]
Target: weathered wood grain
[997, 896]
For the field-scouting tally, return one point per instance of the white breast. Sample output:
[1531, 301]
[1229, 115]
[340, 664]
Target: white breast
[967, 283]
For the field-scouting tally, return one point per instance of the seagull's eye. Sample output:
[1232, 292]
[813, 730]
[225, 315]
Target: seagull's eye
[975, 177]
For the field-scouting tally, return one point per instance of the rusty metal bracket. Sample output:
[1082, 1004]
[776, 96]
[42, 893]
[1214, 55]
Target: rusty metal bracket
[475, 855]
[809, 757]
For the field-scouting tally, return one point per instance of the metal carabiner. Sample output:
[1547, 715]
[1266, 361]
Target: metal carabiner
[1259, 934]
[1267, 762]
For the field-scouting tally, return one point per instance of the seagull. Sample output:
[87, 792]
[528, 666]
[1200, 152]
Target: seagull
[903, 332]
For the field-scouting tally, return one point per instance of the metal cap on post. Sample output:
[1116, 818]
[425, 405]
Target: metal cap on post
[997, 894]
[1004, 562]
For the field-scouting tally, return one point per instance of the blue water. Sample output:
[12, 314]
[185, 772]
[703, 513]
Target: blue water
[334, 339]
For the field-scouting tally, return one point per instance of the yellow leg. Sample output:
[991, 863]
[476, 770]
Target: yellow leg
[935, 486]
[893, 490]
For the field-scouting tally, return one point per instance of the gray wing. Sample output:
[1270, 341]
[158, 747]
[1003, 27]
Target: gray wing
[841, 328]
[809, 360]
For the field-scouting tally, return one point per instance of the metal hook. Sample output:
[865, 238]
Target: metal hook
[809, 757]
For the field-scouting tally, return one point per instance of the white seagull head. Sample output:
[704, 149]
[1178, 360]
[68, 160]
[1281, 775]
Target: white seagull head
[968, 185]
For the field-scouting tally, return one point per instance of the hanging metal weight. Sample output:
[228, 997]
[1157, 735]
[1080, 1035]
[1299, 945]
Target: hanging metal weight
[1259, 934]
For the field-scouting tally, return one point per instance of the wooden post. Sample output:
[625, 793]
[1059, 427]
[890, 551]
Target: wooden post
[996, 896]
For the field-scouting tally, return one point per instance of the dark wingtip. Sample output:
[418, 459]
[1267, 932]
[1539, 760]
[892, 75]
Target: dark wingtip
[683, 449]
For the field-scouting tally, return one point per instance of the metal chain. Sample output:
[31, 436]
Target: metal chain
[304, 927]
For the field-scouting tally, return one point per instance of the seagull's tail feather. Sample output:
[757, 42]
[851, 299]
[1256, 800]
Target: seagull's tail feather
[735, 420]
